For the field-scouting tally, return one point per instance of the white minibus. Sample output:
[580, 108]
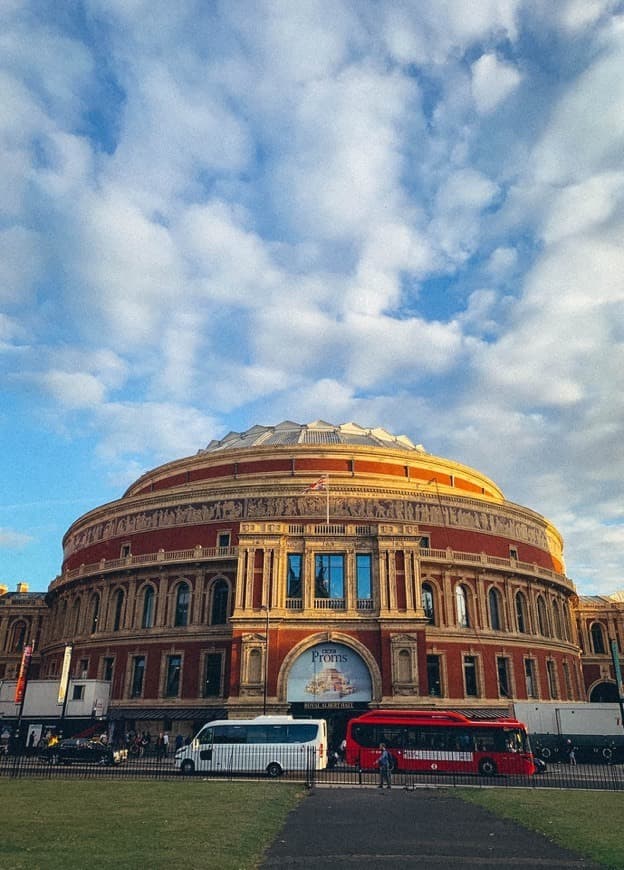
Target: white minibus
[270, 744]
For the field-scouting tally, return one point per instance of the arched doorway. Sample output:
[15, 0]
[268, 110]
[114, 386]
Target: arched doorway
[329, 680]
[604, 693]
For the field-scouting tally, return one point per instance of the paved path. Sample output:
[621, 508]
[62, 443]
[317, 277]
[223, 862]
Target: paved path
[426, 828]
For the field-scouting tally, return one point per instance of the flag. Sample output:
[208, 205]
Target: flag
[321, 483]
[22, 680]
[64, 681]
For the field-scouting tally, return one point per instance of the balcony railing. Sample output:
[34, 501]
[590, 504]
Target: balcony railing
[329, 604]
[207, 554]
[105, 566]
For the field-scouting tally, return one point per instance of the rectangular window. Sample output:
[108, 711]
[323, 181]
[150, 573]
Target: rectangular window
[531, 682]
[502, 668]
[83, 668]
[513, 553]
[425, 542]
[223, 540]
[434, 676]
[107, 669]
[470, 676]
[329, 576]
[126, 550]
[363, 575]
[212, 676]
[172, 680]
[294, 589]
[78, 694]
[552, 678]
[138, 675]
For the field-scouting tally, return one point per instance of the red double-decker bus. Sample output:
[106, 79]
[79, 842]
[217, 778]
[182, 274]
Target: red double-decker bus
[440, 741]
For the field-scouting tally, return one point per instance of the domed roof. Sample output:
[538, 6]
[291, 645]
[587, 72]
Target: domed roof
[318, 433]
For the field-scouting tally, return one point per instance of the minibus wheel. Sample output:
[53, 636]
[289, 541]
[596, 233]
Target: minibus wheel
[187, 768]
[274, 770]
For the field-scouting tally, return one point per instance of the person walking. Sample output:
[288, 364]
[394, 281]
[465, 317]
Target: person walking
[384, 763]
[570, 752]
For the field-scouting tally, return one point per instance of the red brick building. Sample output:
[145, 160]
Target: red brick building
[313, 568]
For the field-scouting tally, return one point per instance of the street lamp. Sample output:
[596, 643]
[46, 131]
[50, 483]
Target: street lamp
[266, 657]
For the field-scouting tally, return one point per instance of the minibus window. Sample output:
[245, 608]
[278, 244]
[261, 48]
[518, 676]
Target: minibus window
[205, 737]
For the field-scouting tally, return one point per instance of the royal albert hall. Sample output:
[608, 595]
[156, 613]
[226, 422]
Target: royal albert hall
[318, 570]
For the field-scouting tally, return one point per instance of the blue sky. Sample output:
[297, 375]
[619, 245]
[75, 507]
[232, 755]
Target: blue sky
[403, 214]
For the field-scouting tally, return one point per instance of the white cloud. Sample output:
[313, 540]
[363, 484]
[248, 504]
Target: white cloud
[165, 430]
[73, 389]
[422, 34]
[583, 207]
[585, 135]
[12, 540]
[492, 82]
[20, 264]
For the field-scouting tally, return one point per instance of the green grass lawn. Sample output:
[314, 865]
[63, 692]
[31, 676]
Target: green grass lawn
[146, 825]
[588, 822]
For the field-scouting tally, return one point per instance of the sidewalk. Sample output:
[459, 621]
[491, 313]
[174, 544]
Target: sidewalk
[398, 829]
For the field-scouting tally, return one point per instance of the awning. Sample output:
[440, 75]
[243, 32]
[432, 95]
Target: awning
[153, 714]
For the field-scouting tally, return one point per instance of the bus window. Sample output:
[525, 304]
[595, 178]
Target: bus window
[302, 733]
[276, 734]
[230, 734]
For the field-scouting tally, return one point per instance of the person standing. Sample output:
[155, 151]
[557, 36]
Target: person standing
[384, 763]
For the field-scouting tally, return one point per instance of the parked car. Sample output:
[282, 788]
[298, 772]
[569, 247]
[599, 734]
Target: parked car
[79, 750]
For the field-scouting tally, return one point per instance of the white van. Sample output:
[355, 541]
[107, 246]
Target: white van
[270, 744]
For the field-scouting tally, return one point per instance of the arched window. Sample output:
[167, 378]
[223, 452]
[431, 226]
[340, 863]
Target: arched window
[521, 613]
[18, 637]
[183, 597]
[149, 601]
[61, 627]
[567, 623]
[494, 600]
[557, 620]
[461, 604]
[118, 616]
[597, 638]
[219, 609]
[428, 602]
[255, 666]
[95, 612]
[405, 666]
[75, 623]
[542, 616]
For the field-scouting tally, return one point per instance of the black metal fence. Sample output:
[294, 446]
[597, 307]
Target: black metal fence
[152, 764]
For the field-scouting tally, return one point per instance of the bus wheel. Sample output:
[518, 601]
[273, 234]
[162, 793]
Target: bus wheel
[274, 770]
[487, 767]
[606, 753]
[545, 752]
[187, 768]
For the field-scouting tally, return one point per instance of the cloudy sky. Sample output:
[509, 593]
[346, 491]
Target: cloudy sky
[405, 214]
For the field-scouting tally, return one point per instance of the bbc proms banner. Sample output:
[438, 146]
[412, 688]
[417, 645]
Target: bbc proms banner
[329, 672]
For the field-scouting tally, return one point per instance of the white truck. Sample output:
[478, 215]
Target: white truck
[596, 730]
